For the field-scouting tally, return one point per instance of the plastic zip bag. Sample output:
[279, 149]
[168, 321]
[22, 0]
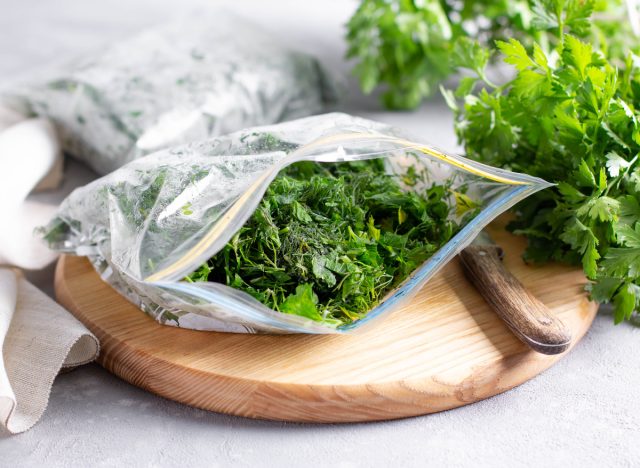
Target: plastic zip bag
[156, 220]
[188, 80]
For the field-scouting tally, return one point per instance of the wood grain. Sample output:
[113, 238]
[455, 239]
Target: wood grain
[525, 315]
[446, 349]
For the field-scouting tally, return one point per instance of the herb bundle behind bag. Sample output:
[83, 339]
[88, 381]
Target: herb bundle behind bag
[194, 78]
[317, 225]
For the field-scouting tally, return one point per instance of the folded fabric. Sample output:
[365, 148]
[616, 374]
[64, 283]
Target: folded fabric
[37, 339]
[30, 157]
[194, 78]
[37, 336]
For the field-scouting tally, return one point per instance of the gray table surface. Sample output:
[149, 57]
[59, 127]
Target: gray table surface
[584, 411]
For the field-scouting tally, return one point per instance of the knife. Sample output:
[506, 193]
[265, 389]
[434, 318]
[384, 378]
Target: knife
[527, 317]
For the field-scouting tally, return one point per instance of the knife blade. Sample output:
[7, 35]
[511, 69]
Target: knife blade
[525, 315]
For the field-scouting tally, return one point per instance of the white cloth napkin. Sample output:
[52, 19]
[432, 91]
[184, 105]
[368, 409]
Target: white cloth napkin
[29, 156]
[37, 337]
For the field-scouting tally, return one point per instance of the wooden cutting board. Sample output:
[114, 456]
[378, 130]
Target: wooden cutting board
[446, 349]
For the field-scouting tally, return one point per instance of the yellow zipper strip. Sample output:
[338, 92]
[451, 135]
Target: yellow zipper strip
[206, 240]
[424, 149]
[471, 169]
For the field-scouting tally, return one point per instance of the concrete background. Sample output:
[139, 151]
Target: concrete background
[584, 411]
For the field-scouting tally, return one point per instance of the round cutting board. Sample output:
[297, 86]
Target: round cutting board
[446, 349]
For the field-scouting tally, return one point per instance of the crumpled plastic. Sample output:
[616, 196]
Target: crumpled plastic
[158, 218]
[188, 80]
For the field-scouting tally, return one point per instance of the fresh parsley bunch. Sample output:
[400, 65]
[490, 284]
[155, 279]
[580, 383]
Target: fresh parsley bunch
[571, 115]
[405, 46]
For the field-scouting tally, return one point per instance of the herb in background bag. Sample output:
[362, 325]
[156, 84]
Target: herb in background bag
[189, 79]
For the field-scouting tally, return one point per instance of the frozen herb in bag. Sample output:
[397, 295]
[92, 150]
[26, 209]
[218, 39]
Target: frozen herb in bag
[329, 240]
[188, 80]
[316, 225]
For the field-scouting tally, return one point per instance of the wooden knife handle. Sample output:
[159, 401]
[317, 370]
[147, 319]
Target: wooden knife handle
[527, 317]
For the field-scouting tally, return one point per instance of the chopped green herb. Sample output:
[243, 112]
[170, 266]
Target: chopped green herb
[186, 209]
[328, 241]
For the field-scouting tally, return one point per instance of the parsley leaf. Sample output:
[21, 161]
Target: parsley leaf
[409, 47]
[569, 115]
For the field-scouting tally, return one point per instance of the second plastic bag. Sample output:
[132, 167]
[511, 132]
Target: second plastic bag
[155, 221]
[196, 77]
